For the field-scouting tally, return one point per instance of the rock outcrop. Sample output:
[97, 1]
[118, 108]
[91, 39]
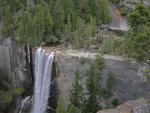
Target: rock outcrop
[140, 105]
[131, 3]
[119, 23]
[15, 62]
[129, 80]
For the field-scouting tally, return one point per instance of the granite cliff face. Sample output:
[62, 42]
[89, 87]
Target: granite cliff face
[129, 81]
[15, 62]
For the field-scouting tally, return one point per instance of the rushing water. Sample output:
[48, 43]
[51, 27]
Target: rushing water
[43, 67]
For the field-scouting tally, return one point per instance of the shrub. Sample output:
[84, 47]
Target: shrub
[110, 45]
[99, 63]
[73, 109]
[107, 45]
[60, 107]
[123, 11]
[105, 93]
[109, 81]
[99, 39]
[5, 97]
[83, 60]
[115, 102]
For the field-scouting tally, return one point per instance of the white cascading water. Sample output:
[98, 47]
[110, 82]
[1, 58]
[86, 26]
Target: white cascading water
[43, 67]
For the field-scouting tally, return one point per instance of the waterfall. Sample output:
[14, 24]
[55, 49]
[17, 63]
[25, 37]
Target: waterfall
[43, 67]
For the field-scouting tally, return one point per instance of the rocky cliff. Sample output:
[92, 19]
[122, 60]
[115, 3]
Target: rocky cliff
[16, 65]
[141, 105]
[131, 3]
[129, 80]
[15, 62]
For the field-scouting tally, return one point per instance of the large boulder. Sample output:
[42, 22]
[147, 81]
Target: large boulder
[140, 105]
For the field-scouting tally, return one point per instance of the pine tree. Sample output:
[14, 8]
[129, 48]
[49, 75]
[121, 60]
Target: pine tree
[58, 16]
[136, 44]
[68, 30]
[92, 103]
[76, 93]
[73, 109]
[91, 28]
[60, 107]
[9, 26]
[50, 18]
[68, 7]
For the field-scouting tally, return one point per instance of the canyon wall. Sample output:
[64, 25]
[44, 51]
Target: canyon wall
[129, 80]
[15, 62]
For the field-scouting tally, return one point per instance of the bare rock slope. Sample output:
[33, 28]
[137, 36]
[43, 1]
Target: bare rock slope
[140, 105]
[129, 82]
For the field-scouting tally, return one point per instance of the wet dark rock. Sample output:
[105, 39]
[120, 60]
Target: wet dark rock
[27, 107]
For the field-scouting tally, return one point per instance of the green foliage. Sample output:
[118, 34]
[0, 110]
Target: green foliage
[147, 72]
[8, 30]
[60, 107]
[115, 102]
[110, 106]
[123, 11]
[105, 93]
[40, 23]
[116, 1]
[92, 103]
[73, 109]
[5, 97]
[140, 16]
[135, 19]
[148, 101]
[99, 39]
[137, 42]
[75, 57]
[76, 93]
[110, 81]
[107, 45]
[7, 92]
[89, 102]
[92, 85]
[19, 90]
[110, 45]
[99, 63]
[66, 20]
[83, 60]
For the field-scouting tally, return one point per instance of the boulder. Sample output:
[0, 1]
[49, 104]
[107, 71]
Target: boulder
[140, 105]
